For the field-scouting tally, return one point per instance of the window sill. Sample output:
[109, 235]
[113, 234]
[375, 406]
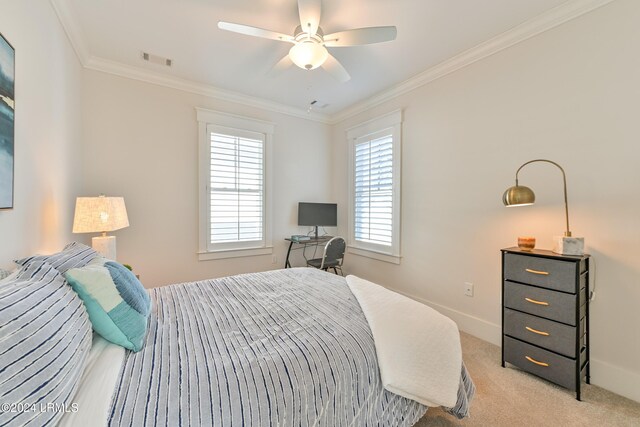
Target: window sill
[234, 253]
[368, 253]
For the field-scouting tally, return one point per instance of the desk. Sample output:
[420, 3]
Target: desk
[311, 242]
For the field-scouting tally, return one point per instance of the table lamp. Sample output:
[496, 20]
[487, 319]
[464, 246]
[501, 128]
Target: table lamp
[100, 215]
[519, 195]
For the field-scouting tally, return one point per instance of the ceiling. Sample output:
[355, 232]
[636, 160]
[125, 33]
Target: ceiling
[429, 32]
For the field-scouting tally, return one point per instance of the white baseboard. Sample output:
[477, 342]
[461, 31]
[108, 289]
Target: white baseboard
[472, 325]
[616, 379]
[603, 374]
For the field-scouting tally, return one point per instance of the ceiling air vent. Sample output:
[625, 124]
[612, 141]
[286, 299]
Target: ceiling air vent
[155, 59]
[315, 105]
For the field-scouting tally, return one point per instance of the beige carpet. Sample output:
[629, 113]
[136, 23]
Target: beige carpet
[509, 397]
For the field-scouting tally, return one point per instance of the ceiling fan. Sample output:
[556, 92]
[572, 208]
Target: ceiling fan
[309, 50]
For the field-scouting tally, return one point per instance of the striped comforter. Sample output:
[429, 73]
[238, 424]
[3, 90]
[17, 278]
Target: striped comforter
[282, 348]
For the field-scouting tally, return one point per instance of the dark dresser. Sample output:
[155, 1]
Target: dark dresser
[545, 315]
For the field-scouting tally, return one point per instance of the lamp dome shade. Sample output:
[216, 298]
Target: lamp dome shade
[518, 195]
[308, 55]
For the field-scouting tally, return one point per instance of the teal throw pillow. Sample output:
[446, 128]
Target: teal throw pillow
[117, 303]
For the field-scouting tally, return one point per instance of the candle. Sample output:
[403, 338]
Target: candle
[526, 243]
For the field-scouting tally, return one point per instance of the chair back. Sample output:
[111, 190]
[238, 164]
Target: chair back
[334, 251]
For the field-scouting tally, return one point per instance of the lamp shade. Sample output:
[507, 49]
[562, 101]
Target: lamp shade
[99, 214]
[518, 195]
[308, 55]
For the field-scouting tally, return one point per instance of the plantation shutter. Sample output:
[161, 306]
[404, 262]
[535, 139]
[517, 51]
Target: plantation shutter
[373, 207]
[236, 188]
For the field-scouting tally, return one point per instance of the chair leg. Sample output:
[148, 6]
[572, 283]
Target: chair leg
[335, 271]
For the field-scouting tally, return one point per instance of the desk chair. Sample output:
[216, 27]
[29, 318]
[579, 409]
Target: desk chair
[332, 256]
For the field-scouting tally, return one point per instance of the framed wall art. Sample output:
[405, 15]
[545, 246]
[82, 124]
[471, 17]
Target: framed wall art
[7, 120]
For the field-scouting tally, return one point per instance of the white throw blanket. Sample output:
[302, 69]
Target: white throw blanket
[418, 348]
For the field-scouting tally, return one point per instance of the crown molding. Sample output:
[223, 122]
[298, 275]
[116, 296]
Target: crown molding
[72, 29]
[148, 76]
[528, 29]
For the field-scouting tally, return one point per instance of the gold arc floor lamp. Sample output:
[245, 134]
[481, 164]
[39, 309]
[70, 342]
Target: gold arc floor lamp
[100, 215]
[519, 195]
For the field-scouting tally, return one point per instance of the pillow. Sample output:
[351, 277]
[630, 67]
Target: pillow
[45, 337]
[74, 255]
[8, 279]
[4, 273]
[7, 276]
[117, 303]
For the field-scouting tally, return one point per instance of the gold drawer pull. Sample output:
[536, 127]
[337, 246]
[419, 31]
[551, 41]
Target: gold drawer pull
[532, 301]
[535, 331]
[543, 273]
[532, 360]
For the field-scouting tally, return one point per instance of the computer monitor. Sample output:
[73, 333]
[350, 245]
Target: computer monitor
[318, 214]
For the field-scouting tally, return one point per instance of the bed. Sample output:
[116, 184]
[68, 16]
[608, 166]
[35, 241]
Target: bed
[286, 347]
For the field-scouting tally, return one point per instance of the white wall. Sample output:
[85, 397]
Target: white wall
[47, 131]
[570, 95]
[141, 142]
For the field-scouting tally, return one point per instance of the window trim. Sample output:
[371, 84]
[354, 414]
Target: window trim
[390, 122]
[210, 118]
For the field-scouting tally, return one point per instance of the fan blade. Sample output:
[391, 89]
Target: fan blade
[309, 11]
[361, 36]
[282, 65]
[254, 31]
[333, 67]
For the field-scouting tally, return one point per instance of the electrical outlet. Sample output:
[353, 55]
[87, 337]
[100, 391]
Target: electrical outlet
[468, 289]
[274, 259]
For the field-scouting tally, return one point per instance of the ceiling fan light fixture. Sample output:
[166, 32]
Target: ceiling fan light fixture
[308, 55]
[310, 44]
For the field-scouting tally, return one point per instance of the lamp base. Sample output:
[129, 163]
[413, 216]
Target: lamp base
[568, 245]
[105, 246]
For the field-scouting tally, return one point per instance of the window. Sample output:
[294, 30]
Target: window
[237, 187]
[373, 189]
[234, 202]
[374, 206]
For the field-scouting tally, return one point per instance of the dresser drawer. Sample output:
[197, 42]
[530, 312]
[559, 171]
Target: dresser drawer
[545, 272]
[553, 336]
[551, 305]
[559, 369]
